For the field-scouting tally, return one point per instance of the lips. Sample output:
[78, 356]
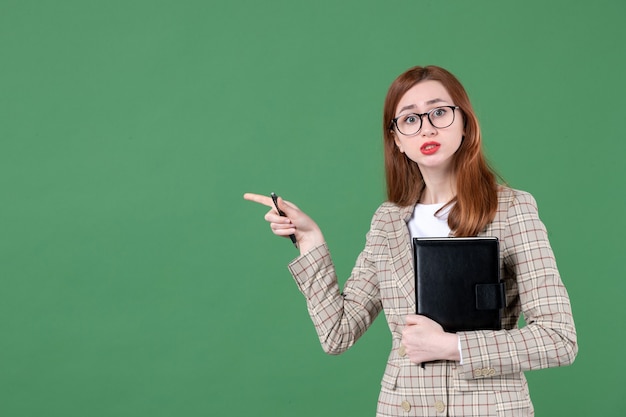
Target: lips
[430, 148]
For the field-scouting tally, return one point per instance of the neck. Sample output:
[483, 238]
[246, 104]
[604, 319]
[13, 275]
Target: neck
[438, 188]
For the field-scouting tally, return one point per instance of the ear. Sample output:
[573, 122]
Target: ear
[397, 141]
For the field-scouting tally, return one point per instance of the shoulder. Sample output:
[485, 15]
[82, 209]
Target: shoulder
[388, 207]
[390, 215]
[393, 211]
[510, 197]
[517, 210]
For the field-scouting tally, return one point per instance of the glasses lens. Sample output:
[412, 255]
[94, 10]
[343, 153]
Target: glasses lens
[409, 124]
[441, 117]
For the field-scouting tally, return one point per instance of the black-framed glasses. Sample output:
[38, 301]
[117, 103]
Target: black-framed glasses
[410, 124]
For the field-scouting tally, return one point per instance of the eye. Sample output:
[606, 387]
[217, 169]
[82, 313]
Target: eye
[410, 119]
[439, 112]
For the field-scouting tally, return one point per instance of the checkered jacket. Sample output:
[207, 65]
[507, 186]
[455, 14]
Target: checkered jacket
[490, 380]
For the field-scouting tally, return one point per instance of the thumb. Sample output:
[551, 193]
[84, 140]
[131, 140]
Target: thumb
[412, 319]
[288, 208]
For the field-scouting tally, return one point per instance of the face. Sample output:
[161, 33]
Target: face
[431, 148]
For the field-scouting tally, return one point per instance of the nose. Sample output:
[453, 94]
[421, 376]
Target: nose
[427, 128]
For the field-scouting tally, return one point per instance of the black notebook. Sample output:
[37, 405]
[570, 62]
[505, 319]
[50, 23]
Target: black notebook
[457, 282]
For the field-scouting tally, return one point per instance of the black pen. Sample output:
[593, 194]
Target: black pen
[282, 213]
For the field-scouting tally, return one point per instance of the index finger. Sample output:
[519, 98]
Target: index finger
[259, 198]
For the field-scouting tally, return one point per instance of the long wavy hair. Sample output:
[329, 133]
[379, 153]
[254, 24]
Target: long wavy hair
[476, 197]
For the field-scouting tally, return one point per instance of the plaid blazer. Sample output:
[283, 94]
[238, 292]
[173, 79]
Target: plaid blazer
[490, 380]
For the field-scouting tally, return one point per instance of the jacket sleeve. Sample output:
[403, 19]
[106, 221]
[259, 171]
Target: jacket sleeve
[549, 337]
[340, 318]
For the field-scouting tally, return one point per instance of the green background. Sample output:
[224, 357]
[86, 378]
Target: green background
[136, 281]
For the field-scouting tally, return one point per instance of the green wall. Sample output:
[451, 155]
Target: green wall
[136, 281]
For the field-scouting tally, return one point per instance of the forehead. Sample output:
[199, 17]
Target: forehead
[422, 95]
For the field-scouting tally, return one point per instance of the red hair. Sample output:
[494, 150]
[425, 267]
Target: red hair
[476, 197]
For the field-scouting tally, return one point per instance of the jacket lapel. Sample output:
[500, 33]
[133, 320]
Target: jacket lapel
[401, 253]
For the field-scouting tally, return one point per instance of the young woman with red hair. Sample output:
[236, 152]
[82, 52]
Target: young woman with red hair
[438, 185]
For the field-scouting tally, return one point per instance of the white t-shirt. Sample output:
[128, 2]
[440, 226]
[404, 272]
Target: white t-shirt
[424, 222]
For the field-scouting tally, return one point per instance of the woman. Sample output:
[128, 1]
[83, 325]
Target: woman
[438, 184]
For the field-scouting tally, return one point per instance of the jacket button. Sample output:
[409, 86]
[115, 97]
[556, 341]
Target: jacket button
[406, 406]
[402, 351]
[478, 373]
[440, 406]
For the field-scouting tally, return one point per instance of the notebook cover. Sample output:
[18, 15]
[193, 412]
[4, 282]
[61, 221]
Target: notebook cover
[451, 275]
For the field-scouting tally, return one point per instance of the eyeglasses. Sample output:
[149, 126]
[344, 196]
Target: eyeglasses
[410, 124]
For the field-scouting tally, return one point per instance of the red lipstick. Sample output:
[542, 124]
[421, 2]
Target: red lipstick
[430, 148]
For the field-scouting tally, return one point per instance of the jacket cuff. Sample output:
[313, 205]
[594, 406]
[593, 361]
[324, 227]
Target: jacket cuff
[306, 266]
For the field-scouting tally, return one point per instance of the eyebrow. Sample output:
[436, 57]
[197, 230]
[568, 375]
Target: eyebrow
[428, 103]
